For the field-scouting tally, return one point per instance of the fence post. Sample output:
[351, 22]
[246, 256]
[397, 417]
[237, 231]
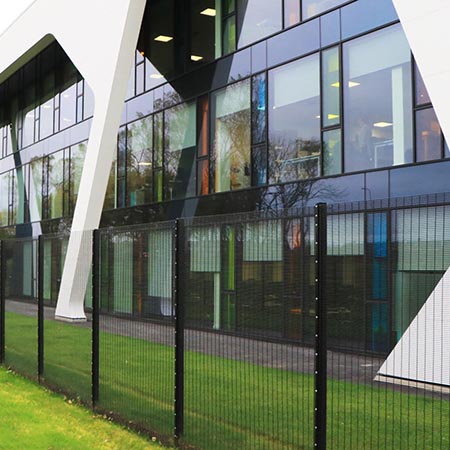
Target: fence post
[179, 329]
[40, 293]
[2, 303]
[320, 363]
[95, 316]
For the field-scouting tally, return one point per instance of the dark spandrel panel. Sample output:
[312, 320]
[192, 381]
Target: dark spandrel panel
[330, 28]
[365, 15]
[420, 179]
[259, 57]
[377, 185]
[293, 43]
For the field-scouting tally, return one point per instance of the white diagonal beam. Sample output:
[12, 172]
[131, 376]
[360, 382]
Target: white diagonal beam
[423, 352]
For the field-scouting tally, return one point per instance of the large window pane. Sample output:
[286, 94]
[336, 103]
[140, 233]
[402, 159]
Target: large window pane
[377, 100]
[139, 167]
[35, 190]
[4, 201]
[258, 19]
[180, 136]
[428, 135]
[68, 107]
[55, 185]
[294, 121]
[46, 112]
[231, 136]
[314, 7]
[77, 155]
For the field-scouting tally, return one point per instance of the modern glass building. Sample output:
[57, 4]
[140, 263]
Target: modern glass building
[240, 106]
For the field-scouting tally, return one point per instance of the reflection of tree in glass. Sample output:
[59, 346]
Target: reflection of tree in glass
[179, 144]
[232, 137]
[77, 156]
[55, 184]
[286, 165]
[139, 161]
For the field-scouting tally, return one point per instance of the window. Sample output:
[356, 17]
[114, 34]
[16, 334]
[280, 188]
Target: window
[179, 161]
[294, 121]
[139, 167]
[428, 135]
[377, 100]
[77, 156]
[258, 19]
[68, 107]
[55, 191]
[46, 108]
[231, 136]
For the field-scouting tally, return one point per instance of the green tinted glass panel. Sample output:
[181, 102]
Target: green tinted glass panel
[330, 87]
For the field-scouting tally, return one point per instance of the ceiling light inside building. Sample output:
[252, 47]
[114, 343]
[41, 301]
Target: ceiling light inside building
[333, 116]
[196, 58]
[209, 12]
[337, 84]
[145, 164]
[382, 124]
[353, 84]
[156, 76]
[163, 38]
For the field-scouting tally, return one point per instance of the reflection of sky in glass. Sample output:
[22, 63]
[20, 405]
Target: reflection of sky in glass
[11, 11]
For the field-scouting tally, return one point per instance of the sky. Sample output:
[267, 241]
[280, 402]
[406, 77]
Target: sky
[10, 10]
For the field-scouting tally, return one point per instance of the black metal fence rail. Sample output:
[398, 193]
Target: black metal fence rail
[270, 330]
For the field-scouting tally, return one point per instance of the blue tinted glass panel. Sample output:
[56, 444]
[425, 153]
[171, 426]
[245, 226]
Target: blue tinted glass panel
[330, 28]
[365, 15]
[294, 42]
[259, 57]
[421, 179]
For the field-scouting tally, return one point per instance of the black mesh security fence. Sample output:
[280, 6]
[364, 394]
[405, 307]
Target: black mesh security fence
[67, 344]
[314, 328]
[387, 320]
[19, 265]
[249, 321]
[136, 326]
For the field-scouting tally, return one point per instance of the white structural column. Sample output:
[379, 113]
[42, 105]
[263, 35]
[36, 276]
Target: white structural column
[100, 38]
[423, 352]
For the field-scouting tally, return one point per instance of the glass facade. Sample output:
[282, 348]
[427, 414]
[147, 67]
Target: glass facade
[233, 124]
[235, 106]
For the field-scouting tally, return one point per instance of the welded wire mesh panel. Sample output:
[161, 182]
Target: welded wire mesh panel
[388, 334]
[21, 317]
[248, 364]
[136, 326]
[67, 341]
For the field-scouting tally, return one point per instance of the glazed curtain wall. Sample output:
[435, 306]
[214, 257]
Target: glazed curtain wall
[281, 125]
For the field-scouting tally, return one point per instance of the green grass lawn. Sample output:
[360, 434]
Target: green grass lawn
[32, 418]
[228, 404]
